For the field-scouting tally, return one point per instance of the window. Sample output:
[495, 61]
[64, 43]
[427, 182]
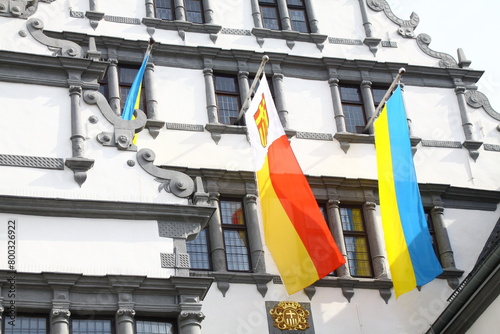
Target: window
[295, 10]
[235, 235]
[298, 17]
[354, 106]
[270, 16]
[199, 251]
[194, 11]
[356, 242]
[153, 327]
[126, 76]
[165, 9]
[26, 325]
[91, 326]
[354, 111]
[228, 98]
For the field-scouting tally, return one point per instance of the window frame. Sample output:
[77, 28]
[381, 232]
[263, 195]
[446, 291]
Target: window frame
[172, 9]
[232, 94]
[172, 321]
[355, 103]
[235, 227]
[302, 8]
[92, 318]
[7, 319]
[206, 235]
[357, 234]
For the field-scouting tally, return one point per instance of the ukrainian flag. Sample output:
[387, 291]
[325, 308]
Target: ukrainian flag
[412, 260]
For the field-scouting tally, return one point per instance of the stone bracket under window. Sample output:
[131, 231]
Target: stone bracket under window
[348, 285]
[124, 130]
[290, 36]
[406, 27]
[224, 279]
[177, 183]
[217, 130]
[58, 46]
[182, 27]
[346, 138]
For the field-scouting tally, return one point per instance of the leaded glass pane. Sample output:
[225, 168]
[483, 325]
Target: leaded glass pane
[153, 327]
[295, 2]
[199, 252]
[164, 10]
[270, 18]
[235, 242]
[354, 118]
[228, 108]
[298, 18]
[358, 256]
[91, 326]
[351, 219]
[27, 325]
[194, 11]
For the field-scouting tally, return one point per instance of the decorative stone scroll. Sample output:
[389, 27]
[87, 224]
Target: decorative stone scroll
[423, 41]
[476, 100]
[59, 46]
[406, 27]
[124, 129]
[177, 183]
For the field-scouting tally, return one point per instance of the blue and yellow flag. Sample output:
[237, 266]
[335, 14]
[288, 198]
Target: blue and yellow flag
[134, 95]
[411, 257]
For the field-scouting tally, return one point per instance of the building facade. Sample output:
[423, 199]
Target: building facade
[153, 225]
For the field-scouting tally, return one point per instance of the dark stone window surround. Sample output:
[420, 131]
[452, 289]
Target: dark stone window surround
[180, 23]
[337, 190]
[64, 296]
[287, 33]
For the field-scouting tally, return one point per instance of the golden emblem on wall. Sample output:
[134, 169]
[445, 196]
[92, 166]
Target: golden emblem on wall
[290, 316]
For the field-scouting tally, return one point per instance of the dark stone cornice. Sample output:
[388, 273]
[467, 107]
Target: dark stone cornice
[290, 65]
[58, 207]
[50, 70]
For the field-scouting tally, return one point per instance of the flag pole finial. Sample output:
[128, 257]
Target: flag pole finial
[265, 59]
[395, 82]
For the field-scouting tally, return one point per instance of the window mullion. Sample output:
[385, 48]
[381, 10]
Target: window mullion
[284, 15]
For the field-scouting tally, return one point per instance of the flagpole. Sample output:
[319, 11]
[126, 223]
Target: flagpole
[385, 98]
[265, 59]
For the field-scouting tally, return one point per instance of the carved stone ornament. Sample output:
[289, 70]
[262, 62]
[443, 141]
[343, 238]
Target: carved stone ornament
[423, 41]
[177, 183]
[476, 100]
[406, 27]
[18, 8]
[59, 46]
[290, 316]
[124, 129]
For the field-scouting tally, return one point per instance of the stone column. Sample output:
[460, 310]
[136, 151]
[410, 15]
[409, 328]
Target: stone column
[125, 321]
[445, 251]
[335, 225]
[210, 96]
[374, 231]
[311, 15]
[114, 87]
[470, 142]
[215, 235]
[256, 249]
[337, 104]
[466, 123]
[77, 132]
[279, 97]
[257, 18]
[244, 88]
[286, 24]
[190, 322]
[150, 8]
[209, 12]
[59, 321]
[180, 13]
[366, 93]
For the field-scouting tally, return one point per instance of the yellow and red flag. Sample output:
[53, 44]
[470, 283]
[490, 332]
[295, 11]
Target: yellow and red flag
[294, 228]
